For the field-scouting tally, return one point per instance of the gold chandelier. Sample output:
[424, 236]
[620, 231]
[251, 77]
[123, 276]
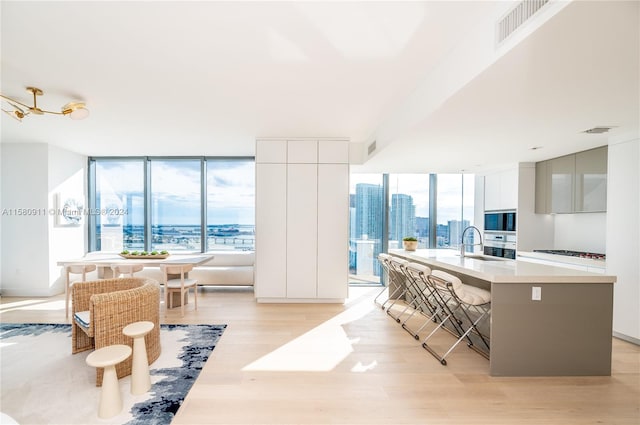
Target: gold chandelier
[19, 110]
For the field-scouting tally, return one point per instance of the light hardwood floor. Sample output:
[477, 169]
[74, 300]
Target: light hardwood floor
[352, 364]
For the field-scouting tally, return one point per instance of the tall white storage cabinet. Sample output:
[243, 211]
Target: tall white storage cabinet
[302, 220]
[271, 219]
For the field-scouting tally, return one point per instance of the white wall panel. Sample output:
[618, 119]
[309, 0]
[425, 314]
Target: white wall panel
[623, 235]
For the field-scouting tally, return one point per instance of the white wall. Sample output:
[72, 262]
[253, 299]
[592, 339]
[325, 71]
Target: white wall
[32, 174]
[581, 232]
[25, 239]
[623, 235]
[67, 173]
[535, 231]
[1, 204]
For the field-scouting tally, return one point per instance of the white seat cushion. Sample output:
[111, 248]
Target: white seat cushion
[474, 295]
[83, 318]
[468, 294]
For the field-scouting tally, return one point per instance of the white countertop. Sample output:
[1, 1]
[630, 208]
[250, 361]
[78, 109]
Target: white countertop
[589, 262]
[502, 270]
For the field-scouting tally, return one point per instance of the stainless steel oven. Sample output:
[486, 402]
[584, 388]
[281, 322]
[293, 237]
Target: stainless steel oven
[501, 245]
[500, 221]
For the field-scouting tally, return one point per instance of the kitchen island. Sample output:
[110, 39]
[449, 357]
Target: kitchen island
[566, 332]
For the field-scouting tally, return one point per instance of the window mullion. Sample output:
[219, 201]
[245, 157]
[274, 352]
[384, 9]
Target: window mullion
[203, 205]
[147, 204]
[433, 207]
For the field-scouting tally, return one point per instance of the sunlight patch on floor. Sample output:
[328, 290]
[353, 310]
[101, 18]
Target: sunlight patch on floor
[36, 304]
[359, 367]
[320, 349]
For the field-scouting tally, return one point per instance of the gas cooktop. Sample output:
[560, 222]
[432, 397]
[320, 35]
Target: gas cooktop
[580, 254]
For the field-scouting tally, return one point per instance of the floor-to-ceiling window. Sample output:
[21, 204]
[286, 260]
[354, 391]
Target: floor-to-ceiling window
[449, 211]
[366, 230]
[118, 202]
[230, 204]
[408, 209]
[434, 208]
[176, 204]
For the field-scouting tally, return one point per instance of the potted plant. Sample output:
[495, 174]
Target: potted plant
[410, 243]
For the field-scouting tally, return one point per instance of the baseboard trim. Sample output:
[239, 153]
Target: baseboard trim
[301, 300]
[627, 338]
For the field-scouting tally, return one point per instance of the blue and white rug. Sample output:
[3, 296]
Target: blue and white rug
[43, 383]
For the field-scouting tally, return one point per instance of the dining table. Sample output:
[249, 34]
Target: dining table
[105, 260]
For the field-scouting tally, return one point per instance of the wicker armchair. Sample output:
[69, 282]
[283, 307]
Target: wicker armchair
[113, 304]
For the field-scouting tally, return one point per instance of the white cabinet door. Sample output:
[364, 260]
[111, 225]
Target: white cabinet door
[333, 230]
[271, 230]
[302, 230]
[333, 152]
[492, 192]
[271, 151]
[509, 189]
[501, 190]
[302, 151]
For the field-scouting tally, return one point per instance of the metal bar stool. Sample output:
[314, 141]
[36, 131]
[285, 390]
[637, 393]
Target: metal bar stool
[399, 280]
[426, 305]
[384, 262]
[460, 303]
[413, 296]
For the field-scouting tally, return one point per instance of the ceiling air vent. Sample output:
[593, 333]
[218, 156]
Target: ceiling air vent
[597, 130]
[518, 16]
[371, 147]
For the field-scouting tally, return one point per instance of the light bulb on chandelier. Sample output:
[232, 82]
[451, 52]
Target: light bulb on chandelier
[19, 110]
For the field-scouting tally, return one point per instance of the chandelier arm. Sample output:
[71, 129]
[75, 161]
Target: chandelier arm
[52, 112]
[8, 99]
[30, 107]
[67, 109]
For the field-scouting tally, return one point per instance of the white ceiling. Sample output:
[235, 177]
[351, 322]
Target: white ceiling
[207, 78]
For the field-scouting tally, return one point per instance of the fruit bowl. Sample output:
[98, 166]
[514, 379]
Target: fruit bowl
[144, 255]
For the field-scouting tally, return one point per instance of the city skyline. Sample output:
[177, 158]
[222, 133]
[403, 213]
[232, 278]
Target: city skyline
[367, 207]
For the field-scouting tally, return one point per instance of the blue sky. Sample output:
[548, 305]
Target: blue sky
[175, 186]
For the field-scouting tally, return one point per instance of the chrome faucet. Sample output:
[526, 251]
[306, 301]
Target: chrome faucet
[462, 244]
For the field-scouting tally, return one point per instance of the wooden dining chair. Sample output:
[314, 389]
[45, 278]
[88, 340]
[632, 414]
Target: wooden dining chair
[81, 269]
[174, 285]
[126, 269]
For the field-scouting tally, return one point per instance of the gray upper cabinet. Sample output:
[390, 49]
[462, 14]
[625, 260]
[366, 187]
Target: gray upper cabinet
[562, 170]
[572, 183]
[591, 180]
[542, 206]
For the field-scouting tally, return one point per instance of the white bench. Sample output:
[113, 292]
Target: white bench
[227, 268]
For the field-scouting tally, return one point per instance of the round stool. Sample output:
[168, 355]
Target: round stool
[140, 380]
[108, 357]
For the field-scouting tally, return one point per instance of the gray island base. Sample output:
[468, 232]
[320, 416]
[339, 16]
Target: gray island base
[566, 332]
